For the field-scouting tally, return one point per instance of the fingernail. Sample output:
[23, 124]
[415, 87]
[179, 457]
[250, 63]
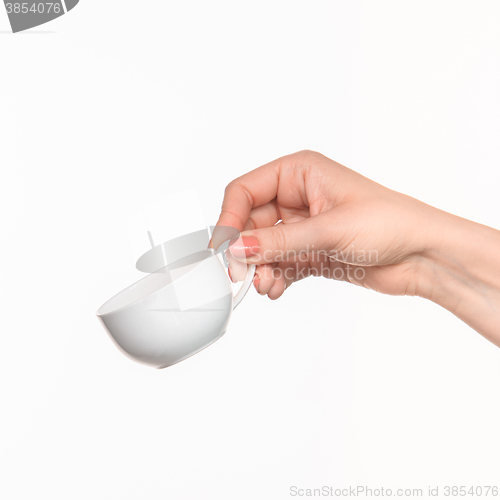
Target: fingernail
[230, 277]
[243, 247]
[256, 282]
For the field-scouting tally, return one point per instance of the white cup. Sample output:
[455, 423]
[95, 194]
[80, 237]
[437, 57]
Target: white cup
[175, 312]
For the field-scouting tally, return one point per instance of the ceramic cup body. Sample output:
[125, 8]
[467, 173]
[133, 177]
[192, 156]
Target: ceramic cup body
[173, 313]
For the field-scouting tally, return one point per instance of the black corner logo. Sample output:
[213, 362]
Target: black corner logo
[26, 15]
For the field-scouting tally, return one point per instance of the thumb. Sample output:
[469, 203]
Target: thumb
[282, 241]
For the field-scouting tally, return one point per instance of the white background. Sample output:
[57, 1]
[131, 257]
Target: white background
[117, 103]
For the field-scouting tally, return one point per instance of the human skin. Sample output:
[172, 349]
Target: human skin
[306, 215]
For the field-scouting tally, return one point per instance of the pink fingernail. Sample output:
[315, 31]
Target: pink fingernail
[256, 282]
[243, 247]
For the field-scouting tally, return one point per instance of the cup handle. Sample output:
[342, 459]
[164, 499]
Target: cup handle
[244, 286]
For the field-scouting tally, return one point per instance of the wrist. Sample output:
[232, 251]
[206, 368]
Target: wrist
[460, 270]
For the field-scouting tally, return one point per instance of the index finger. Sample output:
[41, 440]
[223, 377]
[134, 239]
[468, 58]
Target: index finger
[251, 190]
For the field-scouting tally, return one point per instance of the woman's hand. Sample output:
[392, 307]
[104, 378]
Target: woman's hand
[333, 222]
[306, 215]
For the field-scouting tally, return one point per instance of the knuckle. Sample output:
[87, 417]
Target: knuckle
[229, 186]
[278, 239]
[309, 155]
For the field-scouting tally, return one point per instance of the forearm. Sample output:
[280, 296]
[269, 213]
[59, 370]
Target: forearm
[460, 271]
